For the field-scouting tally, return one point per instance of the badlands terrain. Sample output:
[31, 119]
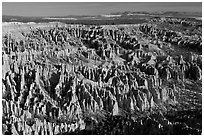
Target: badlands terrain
[143, 77]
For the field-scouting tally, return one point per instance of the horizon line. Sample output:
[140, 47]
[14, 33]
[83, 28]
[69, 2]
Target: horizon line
[153, 12]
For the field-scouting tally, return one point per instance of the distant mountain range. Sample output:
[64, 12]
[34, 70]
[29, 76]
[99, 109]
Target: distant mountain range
[109, 18]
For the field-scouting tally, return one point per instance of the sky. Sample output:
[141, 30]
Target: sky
[93, 8]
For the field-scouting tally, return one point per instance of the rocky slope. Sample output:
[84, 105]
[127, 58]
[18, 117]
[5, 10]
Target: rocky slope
[60, 78]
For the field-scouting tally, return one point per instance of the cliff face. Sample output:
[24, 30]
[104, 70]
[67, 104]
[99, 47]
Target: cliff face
[55, 77]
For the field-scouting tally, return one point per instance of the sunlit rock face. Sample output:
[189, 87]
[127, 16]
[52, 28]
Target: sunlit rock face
[56, 78]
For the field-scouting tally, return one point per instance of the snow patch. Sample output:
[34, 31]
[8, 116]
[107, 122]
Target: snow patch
[60, 18]
[109, 16]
